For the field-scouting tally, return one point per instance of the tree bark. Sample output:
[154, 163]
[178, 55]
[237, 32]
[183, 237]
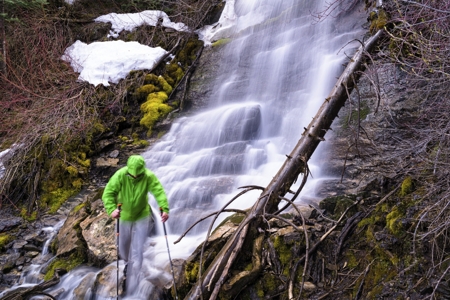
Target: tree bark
[295, 164]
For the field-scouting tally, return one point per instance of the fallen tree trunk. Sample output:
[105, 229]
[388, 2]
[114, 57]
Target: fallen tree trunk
[296, 163]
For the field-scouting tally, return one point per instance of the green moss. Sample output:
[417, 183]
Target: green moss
[267, 286]
[381, 271]
[260, 291]
[30, 217]
[99, 127]
[151, 79]
[169, 79]
[67, 264]
[78, 207]
[55, 198]
[164, 85]
[77, 183]
[393, 223]
[72, 171]
[160, 134]
[154, 109]
[138, 142]
[175, 72]
[336, 205]
[143, 91]
[372, 220]
[352, 260]
[378, 20]
[5, 239]
[188, 54]
[407, 187]
[221, 42]
[191, 272]
[270, 283]
[283, 250]
[249, 267]
[81, 160]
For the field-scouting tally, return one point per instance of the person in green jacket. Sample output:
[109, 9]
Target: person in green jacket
[130, 186]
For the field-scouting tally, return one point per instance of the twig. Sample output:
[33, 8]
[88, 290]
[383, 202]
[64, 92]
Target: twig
[206, 217]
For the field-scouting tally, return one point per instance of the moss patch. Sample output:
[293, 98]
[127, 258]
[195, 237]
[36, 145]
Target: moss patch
[67, 264]
[5, 239]
[154, 109]
[407, 187]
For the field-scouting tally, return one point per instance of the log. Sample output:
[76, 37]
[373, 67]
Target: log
[295, 164]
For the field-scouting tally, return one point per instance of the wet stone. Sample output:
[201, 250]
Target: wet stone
[19, 244]
[50, 221]
[31, 247]
[32, 254]
[20, 261]
[40, 259]
[114, 154]
[30, 237]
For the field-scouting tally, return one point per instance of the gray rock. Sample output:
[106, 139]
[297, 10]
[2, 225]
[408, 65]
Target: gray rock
[8, 223]
[98, 230]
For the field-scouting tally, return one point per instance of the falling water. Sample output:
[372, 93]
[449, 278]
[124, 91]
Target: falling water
[279, 66]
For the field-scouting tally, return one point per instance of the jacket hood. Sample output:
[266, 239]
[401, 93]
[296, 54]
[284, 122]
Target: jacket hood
[136, 165]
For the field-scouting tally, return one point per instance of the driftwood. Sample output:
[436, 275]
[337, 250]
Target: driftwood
[23, 293]
[214, 278]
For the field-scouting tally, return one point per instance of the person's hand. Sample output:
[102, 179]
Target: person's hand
[115, 214]
[164, 217]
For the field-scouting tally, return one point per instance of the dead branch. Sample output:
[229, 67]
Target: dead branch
[206, 217]
[348, 227]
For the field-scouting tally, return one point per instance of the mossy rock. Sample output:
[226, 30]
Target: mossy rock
[336, 205]
[5, 238]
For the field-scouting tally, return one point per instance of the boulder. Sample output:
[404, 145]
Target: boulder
[98, 231]
[68, 240]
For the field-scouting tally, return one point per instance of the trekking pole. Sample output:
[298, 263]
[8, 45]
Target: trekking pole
[119, 207]
[170, 259]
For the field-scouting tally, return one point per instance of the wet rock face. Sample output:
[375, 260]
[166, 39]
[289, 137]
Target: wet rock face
[90, 230]
[201, 86]
[67, 238]
[359, 160]
[98, 231]
[25, 248]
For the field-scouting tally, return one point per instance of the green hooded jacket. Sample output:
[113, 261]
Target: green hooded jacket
[133, 192]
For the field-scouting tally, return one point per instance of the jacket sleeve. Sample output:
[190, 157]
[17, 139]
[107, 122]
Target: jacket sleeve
[158, 192]
[110, 193]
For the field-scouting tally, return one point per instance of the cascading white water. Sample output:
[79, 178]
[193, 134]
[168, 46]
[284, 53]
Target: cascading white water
[279, 66]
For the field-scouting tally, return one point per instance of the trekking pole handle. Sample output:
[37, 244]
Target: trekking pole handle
[164, 225]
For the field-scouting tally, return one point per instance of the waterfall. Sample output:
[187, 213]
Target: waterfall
[280, 64]
[277, 69]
